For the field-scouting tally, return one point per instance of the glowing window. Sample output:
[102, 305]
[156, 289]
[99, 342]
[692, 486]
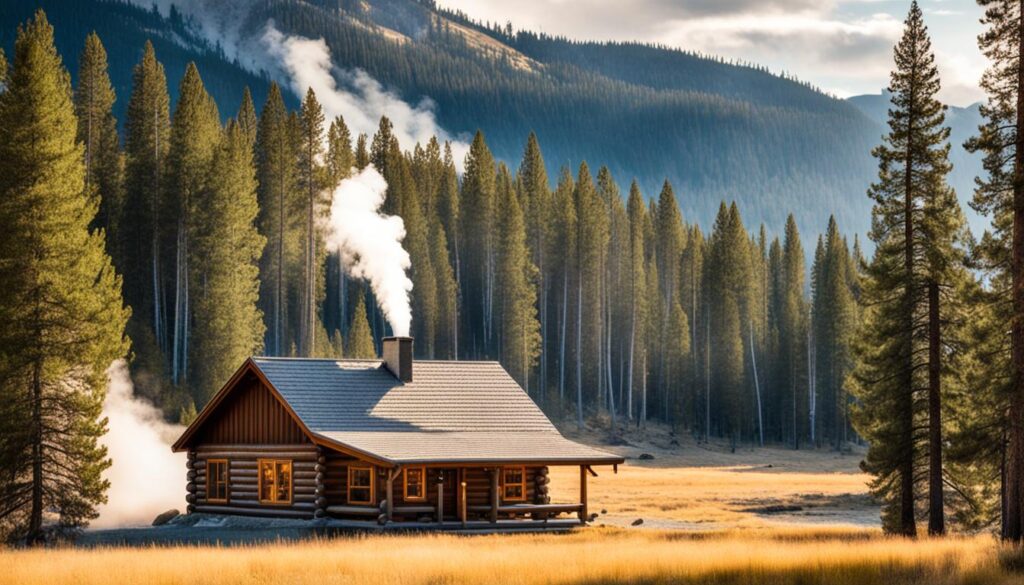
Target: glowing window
[275, 481]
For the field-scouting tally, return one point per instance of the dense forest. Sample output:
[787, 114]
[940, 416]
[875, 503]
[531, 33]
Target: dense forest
[717, 130]
[191, 244]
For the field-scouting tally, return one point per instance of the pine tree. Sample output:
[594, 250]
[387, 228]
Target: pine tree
[246, 119]
[97, 130]
[340, 159]
[793, 330]
[516, 276]
[229, 327]
[275, 172]
[637, 300]
[60, 304]
[144, 222]
[360, 339]
[901, 352]
[564, 242]
[195, 133]
[315, 205]
[536, 201]
[592, 241]
[362, 156]
[476, 214]
[1000, 195]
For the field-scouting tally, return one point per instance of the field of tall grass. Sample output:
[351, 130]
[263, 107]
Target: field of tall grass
[597, 556]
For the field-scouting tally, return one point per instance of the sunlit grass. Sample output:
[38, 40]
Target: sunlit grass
[782, 556]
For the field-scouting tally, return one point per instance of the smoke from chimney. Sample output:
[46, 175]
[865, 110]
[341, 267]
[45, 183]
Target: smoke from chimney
[370, 244]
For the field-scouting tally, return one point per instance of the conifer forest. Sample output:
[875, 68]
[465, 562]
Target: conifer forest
[186, 237]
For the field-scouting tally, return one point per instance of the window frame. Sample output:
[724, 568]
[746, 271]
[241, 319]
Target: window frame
[422, 469]
[505, 484]
[349, 487]
[211, 482]
[274, 501]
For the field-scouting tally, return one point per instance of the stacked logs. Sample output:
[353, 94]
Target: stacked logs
[190, 487]
[320, 490]
[540, 492]
[541, 481]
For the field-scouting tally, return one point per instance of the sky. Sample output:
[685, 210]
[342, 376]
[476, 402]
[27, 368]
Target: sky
[842, 46]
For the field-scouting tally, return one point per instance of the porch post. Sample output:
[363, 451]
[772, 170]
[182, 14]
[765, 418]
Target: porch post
[440, 502]
[494, 495]
[583, 494]
[389, 509]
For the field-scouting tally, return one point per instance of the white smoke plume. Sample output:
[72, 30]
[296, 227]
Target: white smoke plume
[300, 63]
[360, 99]
[370, 244]
[146, 478]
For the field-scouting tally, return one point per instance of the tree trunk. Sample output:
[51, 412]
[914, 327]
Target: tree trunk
[579, 353]
[1015, 447]
[936, 518]
[35, 522]
[757, 389]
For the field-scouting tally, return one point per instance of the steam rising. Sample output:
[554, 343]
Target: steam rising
[146, 477]
[370, 244]
[360, 99]
[301, 63]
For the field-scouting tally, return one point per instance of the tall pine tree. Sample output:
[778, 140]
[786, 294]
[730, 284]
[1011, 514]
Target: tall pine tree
[61, 304]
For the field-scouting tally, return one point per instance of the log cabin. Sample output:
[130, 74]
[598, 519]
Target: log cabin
[384, 442]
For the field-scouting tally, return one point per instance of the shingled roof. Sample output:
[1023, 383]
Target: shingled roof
[451, 411]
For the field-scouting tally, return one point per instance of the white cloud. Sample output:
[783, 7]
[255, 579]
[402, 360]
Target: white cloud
[843, 46]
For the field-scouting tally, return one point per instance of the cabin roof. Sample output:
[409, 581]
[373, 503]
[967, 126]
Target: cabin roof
[451, 411]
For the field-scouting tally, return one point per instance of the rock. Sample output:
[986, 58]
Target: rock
[604, 511]
[638, 522]
[166, 517]
[593, 517]
[646, 457]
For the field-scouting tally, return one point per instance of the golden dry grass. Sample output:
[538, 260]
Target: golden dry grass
[715, 494]
[592, 557]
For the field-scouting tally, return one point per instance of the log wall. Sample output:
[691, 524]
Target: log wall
[243, 481]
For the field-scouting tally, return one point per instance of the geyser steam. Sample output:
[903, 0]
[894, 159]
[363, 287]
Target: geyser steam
[146, 478]
[360, 99]
[370, 244]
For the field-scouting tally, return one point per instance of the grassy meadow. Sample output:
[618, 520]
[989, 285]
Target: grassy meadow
[710, 516]
[609, 555]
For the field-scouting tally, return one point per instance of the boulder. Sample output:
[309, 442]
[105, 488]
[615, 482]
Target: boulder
[165, 517]
[638, 522]
[646, 457]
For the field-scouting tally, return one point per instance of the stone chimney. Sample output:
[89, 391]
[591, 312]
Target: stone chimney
[398, 357]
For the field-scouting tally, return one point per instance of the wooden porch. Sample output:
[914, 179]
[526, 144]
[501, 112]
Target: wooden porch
[392, 512]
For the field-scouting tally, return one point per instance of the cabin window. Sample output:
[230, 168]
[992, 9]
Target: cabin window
[360, 485]
[275, 481]
[513, 481]
[415, 488]
[217, 481]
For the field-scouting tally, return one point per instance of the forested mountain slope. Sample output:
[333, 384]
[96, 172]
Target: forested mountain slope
[716, 130]
[124, 29]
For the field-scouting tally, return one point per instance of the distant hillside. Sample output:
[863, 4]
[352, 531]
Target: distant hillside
[716, 130]
[124, 29]
[963, 123]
